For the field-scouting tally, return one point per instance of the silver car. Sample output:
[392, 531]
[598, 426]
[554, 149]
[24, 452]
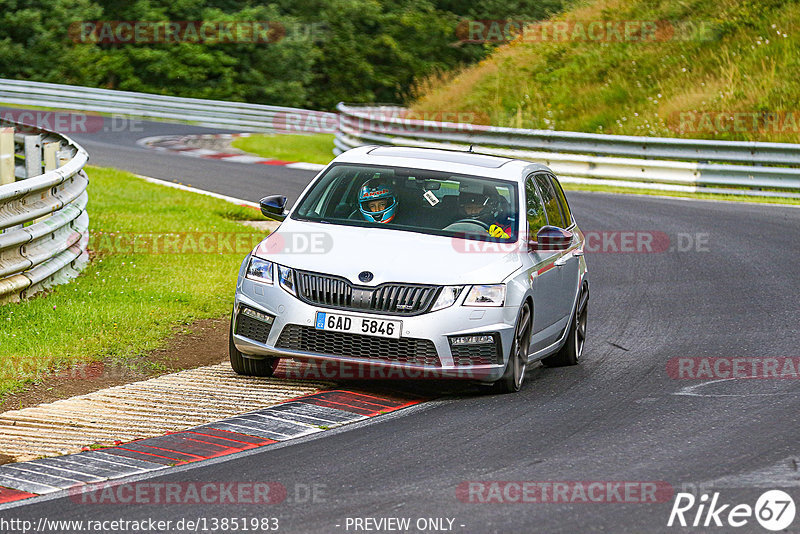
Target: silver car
[423, 262]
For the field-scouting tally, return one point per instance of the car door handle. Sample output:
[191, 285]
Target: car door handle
[561, 261]
[577, 252]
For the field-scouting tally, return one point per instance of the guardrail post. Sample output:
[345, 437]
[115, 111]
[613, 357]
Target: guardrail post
[33, 155]
[51, 155]
[63, 157]
[7, 156]
[51, 163]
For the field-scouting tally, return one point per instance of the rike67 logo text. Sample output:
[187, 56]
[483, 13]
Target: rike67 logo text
[774, 510]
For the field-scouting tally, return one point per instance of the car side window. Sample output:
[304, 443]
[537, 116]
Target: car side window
[533, 209]
[562, 200]
[550, 200]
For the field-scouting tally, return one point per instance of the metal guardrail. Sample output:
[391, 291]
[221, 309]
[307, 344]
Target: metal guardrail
[237, 116]
[44, 227]
[670, 164]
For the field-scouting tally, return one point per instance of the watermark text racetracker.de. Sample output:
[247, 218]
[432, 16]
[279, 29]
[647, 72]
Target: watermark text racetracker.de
[344, 370]
[120, 32]
[209, 243]
[734, 121]
[645, 242]
[390, 121]
[70, 123]
[716, 367]
[212, 493]
[159, 493]
[563, 492]
[587, 31]
[46, 525]
[11, 369]
[603, 241]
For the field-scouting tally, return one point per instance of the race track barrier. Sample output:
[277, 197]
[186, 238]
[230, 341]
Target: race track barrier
[44, 227]
[238, 116]
[669, 164]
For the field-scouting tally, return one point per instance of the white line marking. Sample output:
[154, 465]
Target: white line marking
[243, 158]
[47, 488]
[305, 166]
[139, 465]
[198, 152]
[294, 422]
[147, 141]
[246, 429]
[182, 187]
[689, 391]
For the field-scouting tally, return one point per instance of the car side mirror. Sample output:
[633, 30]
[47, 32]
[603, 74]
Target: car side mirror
[551, 238]
[273, 207]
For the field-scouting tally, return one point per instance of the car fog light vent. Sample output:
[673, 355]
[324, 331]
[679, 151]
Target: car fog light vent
[263, 317]
[472, 340]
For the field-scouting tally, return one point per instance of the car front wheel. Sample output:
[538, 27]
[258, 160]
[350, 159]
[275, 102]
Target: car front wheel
[249, 366]
[514, 375]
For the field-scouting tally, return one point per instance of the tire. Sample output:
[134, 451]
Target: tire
[249, 366]
[514, 375]
[572, 350]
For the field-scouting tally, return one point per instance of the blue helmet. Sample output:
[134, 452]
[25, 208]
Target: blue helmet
[375, 189]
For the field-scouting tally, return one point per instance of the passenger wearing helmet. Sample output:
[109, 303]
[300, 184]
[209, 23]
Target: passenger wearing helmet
[377, 201]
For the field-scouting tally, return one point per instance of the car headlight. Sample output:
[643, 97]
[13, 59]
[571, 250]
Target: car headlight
[259, 270]
[447, 297]
[286, 279]
[493, 295]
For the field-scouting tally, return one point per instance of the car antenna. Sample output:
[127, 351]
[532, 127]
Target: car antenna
[470, 148]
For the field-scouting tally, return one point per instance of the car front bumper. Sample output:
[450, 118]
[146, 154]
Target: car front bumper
[435, 327]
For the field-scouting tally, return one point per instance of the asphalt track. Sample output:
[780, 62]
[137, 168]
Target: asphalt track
[618, 416]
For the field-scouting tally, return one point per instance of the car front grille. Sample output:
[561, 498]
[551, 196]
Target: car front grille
[403, 350]
[390, 299]
[482, 354]
[252, 328]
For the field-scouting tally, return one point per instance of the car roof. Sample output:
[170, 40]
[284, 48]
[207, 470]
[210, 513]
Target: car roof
[455, 161]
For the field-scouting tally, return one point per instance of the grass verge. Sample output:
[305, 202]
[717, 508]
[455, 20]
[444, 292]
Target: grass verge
[161, 258]
[316, 148]
[713, 69]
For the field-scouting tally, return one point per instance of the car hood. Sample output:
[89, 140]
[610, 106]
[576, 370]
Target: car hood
[390, 255]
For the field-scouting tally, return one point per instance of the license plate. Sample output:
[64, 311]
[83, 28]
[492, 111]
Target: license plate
[353, 324]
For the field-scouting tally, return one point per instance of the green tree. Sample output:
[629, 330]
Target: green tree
[332, 50]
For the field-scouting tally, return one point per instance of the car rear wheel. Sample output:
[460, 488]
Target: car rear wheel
[514, 375]
[572, 350]
[249, 366]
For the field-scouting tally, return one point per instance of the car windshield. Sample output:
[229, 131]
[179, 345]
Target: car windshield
[424, 201]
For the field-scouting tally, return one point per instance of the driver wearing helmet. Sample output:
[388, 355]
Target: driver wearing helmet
[476, 206]
[486, 209]
[377, 201]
